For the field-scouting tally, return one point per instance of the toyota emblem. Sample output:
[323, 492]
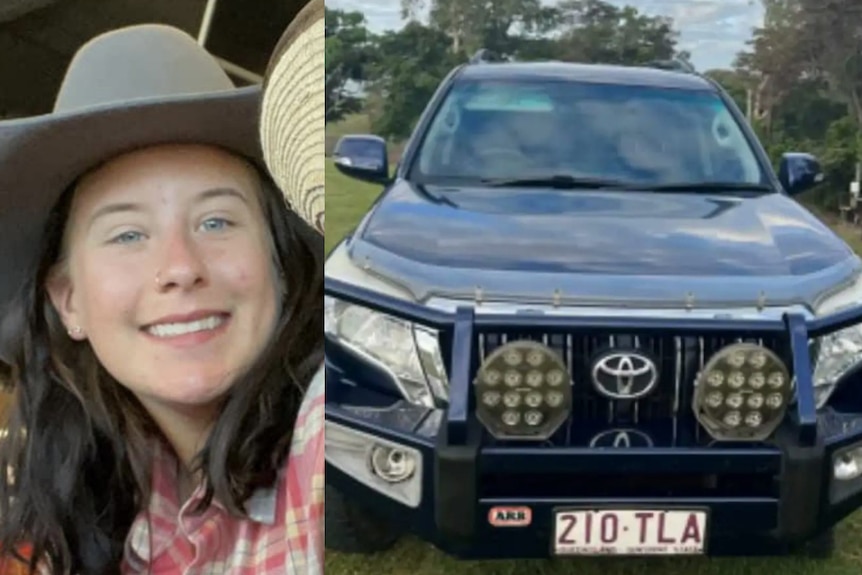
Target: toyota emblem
[621, 439]
[624, 374]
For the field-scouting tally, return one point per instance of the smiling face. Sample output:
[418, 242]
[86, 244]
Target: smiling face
[168, 272]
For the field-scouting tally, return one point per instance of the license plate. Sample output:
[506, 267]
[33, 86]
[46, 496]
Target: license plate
[630, 532]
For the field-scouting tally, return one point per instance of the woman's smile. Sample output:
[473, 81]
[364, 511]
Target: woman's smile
[189, 329]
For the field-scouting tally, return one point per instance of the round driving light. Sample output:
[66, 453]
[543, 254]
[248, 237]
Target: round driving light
[756, 380]
[538, 391]
[393, 465]
[533, 417]
[753, 418]
[715, 378]
[714, 399]
[776, 379]
[755, 401]
[774, 401]
[512, 357]
[734, 401]
[513, 378]
[511, 418]
[736, 359]
[533, 399]
[732, 418]
[747, 368]
[512, 399]
[534, 378]
[556, 377]
[535, 358]
[554, 398]
[491, 398]
[757, 360]
[736, 380]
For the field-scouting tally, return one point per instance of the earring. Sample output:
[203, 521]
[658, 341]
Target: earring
[76, 332]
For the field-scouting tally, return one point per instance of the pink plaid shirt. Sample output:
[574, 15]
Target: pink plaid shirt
[283, 534]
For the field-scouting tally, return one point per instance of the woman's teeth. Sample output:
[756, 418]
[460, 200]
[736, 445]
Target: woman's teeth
[175, 329]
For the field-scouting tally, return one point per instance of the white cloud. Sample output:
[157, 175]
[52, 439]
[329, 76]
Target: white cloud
[712, 30]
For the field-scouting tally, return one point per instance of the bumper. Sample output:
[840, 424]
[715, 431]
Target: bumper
[759, 499]
[796, 496]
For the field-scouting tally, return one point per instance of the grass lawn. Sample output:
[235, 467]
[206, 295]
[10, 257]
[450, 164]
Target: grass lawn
[347, 200]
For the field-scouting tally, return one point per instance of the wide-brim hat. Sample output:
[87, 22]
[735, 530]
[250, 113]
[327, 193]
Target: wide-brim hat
[124, 90]
[292, 122]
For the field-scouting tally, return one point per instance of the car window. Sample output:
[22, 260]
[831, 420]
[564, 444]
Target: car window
[642, 135]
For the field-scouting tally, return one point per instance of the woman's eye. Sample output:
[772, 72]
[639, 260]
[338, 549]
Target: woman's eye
[126, 237]
[215, 224]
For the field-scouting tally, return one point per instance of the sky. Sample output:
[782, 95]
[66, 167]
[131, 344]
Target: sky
[712, 30]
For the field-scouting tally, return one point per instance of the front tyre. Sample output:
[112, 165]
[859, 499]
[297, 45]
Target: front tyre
[354, 530]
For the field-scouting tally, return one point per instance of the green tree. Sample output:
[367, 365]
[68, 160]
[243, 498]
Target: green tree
[594, 31]
[802, 70]
[497, 25]
[407, 69]
[832, 41]
[349, 50]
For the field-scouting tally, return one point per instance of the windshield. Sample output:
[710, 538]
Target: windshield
[538, 128]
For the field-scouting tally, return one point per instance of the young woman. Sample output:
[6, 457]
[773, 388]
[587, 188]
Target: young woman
[161, 329]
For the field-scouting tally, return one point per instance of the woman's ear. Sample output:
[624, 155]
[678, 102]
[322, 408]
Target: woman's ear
[61, 292]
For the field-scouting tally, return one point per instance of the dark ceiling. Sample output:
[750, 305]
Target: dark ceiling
[39, 37]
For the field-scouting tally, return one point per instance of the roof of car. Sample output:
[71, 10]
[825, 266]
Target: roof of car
[598, 73]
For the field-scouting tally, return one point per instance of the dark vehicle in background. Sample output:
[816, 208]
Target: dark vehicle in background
[587, 317]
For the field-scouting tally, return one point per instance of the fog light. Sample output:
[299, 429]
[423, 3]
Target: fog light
[391, 464]
[534, 389]
[393, 470]
[742, 393]
[847, 464]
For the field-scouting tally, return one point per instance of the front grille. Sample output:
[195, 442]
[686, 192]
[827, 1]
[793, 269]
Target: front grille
[680, 359]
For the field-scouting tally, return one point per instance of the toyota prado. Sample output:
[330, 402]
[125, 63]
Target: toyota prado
[585, 316]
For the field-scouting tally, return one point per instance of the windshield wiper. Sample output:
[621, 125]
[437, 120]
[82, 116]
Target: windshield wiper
[564, 181]
[556, 181]
[709, 187]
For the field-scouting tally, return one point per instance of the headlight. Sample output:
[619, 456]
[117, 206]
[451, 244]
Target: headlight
[410, 353]
[523, 391]
[742, 393]
[834, 356]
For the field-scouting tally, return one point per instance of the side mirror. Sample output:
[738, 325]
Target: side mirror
[799, 172]
[363, 157]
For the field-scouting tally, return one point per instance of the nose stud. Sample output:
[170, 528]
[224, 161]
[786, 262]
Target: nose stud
[158, 279]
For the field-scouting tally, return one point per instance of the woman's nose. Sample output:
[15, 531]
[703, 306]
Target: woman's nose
[180, 264]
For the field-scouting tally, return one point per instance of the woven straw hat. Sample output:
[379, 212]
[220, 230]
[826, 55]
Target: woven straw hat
[292, 122]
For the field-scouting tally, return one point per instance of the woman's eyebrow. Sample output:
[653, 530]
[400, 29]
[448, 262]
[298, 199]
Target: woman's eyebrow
[114, 209]
[222, 192]
[120, 207]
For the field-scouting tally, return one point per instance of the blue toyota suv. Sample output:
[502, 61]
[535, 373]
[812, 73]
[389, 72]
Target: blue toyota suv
[585, 316]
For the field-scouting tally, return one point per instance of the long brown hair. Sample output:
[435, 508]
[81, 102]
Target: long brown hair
[77, 443]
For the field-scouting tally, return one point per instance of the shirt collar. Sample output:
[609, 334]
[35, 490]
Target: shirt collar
[260, 506]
